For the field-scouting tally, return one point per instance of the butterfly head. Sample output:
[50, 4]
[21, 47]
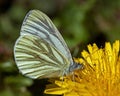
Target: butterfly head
[75, 66]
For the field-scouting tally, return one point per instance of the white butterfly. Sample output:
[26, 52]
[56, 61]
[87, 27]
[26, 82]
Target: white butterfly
[40, 51]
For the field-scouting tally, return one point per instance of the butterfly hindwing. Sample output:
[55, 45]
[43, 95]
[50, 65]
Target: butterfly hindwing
[36, 58]
[38, 24]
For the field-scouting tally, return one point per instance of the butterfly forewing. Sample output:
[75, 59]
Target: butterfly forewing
[36, 58]
[38, 24]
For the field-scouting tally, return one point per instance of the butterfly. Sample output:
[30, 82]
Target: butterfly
[40, 51]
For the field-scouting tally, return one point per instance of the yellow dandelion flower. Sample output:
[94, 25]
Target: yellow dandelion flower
[99, 77]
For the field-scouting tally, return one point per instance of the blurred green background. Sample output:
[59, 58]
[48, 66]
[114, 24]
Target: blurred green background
[80, 22]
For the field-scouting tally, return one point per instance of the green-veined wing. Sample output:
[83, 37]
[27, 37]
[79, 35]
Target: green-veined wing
[37, 58]
[37, 23]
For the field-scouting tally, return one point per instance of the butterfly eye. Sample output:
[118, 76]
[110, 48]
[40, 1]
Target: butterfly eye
[75, 66]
